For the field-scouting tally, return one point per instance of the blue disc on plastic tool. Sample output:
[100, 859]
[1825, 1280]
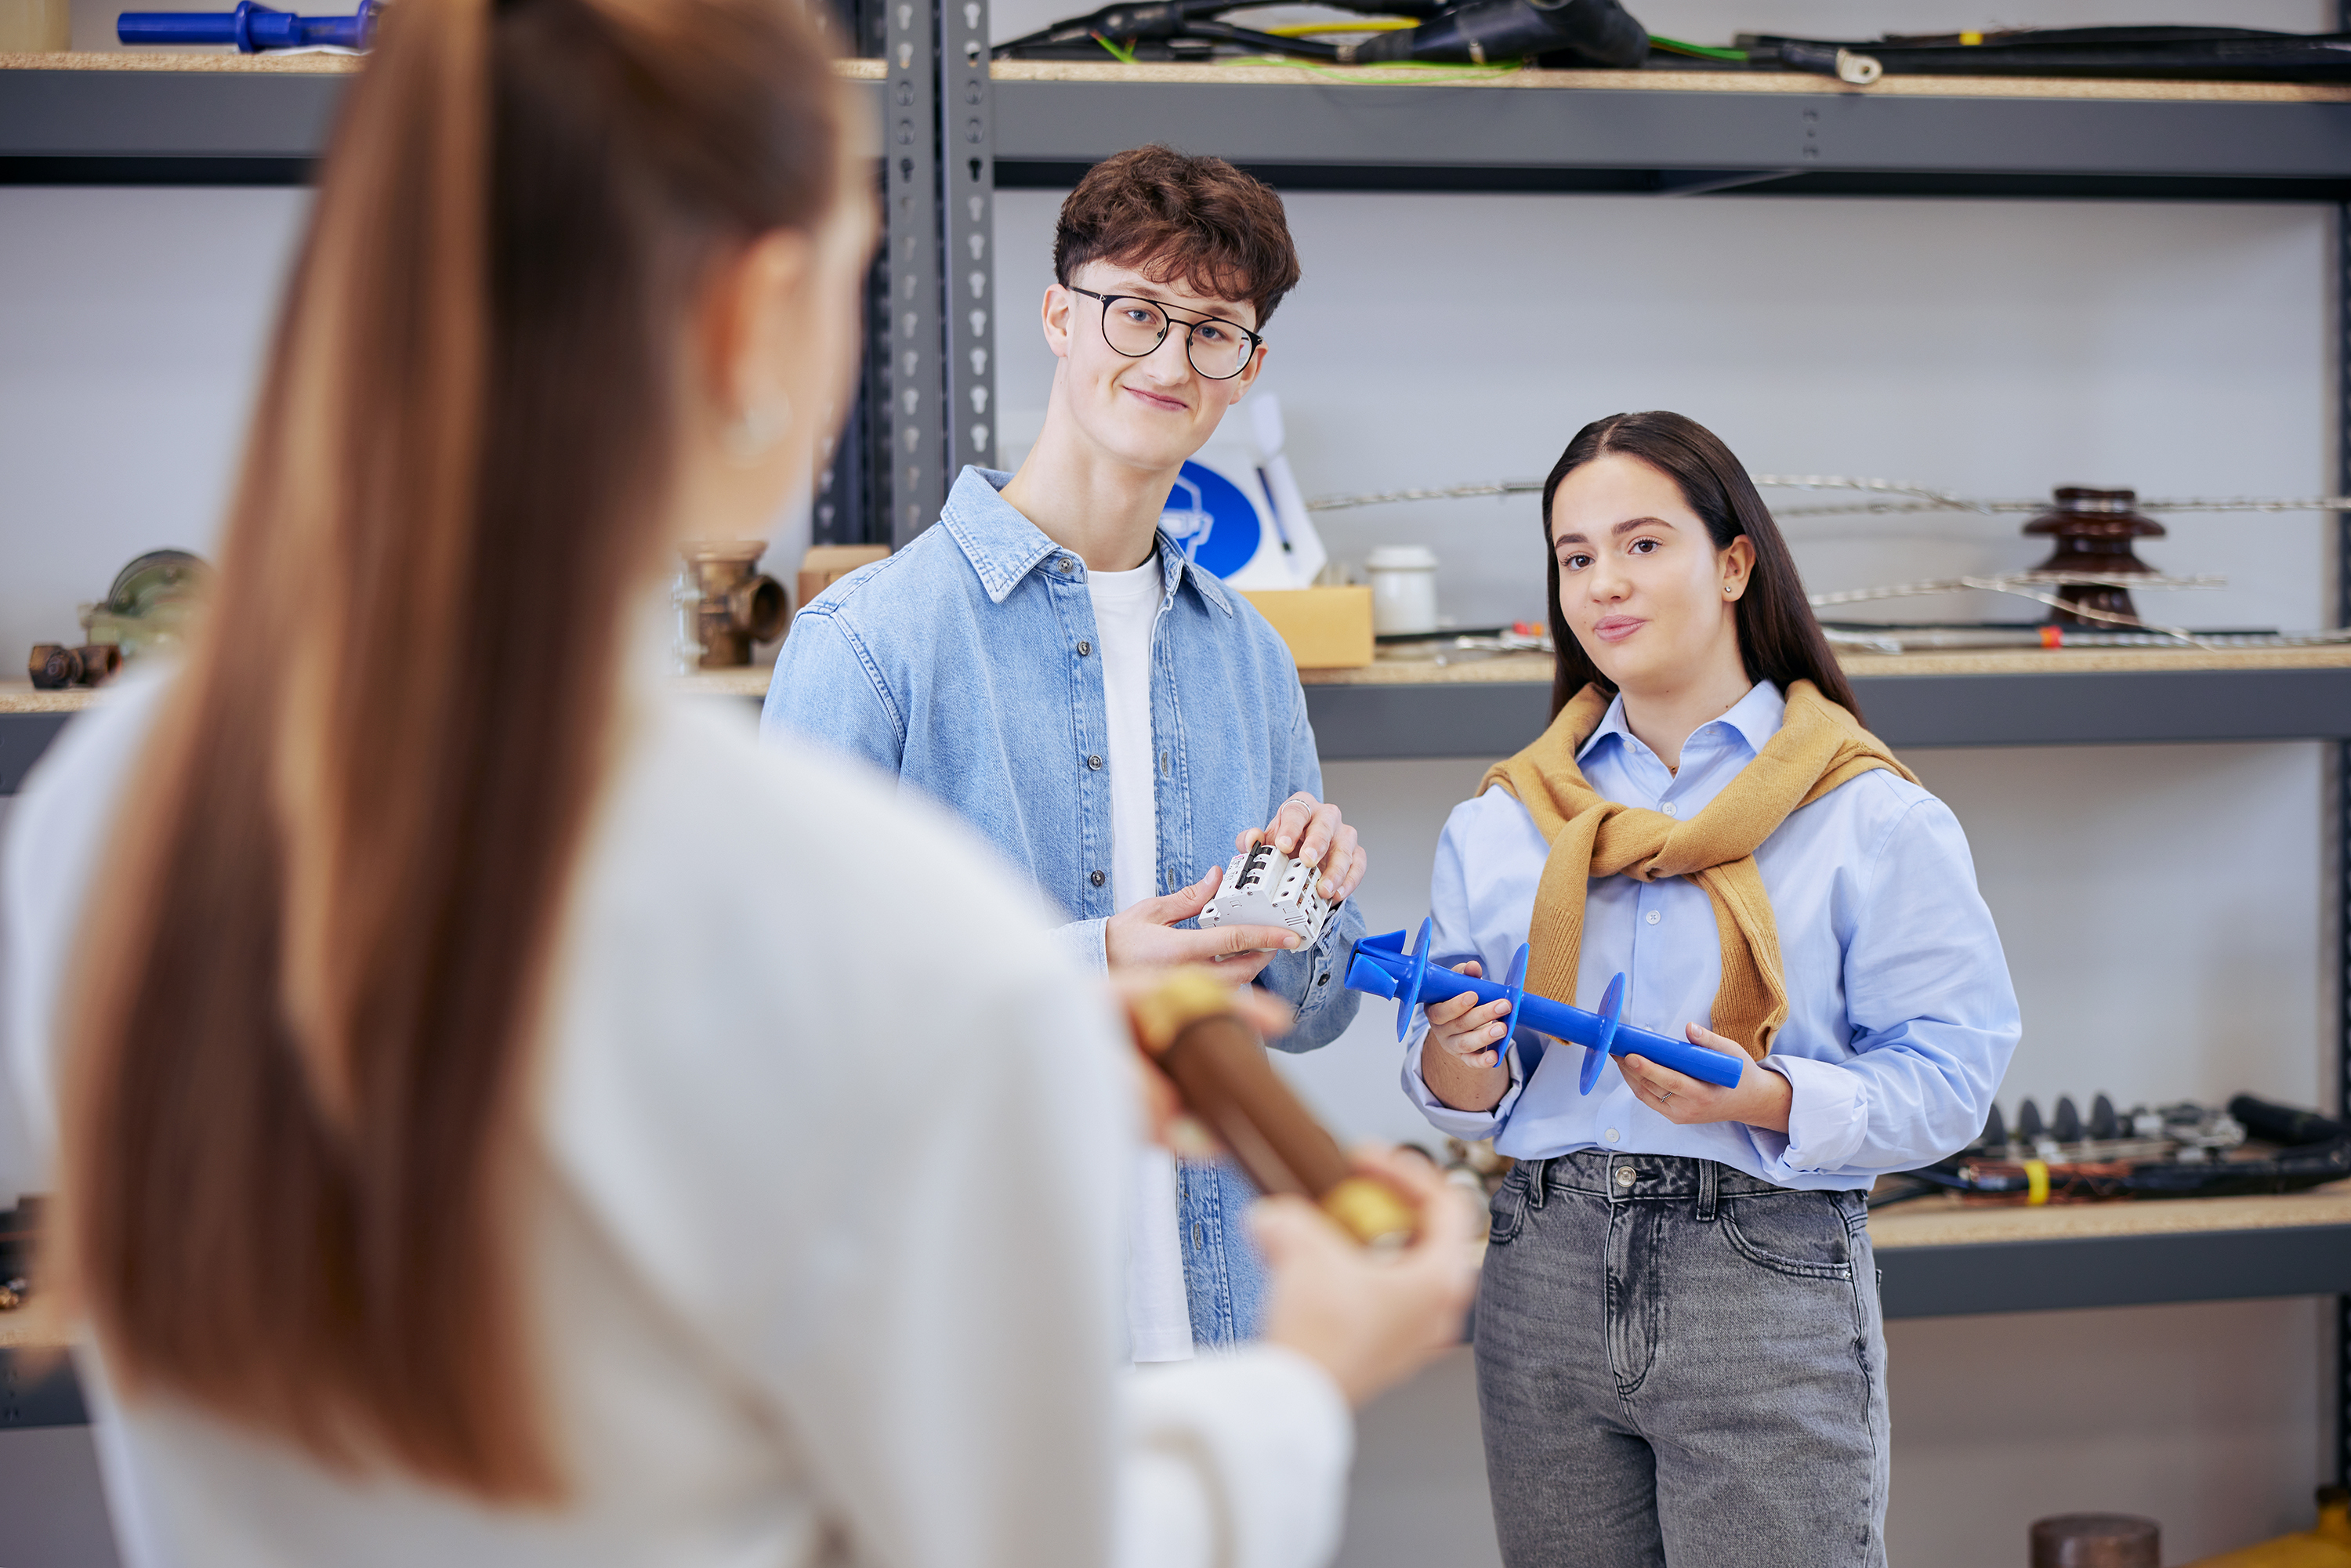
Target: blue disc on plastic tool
[1515, 982]
[1611, 1009]
[1408, 989]
[1211, 521]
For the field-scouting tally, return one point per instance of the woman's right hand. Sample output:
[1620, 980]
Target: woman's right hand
[1371, 1319]
[1468, 1031]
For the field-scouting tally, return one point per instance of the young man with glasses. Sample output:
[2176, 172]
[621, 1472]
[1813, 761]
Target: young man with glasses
[1049, 665]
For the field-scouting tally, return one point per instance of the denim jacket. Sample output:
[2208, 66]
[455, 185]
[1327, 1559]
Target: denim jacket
[962, 665]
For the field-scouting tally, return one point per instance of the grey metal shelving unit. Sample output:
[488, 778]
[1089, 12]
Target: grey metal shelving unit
[1973, 1277]
[1690, 134]
[1363, 721]
[952, 132]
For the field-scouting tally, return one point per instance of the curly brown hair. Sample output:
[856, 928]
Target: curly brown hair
[1196, 221]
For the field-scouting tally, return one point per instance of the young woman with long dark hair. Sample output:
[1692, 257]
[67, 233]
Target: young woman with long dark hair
[1680, 1357]
[510, 1117]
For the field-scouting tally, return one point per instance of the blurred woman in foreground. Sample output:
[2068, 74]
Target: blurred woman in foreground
[512, 1118]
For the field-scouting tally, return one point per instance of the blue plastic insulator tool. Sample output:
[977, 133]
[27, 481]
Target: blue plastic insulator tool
[1611, 1014]
[1409, 983]
[1380, 967]
[251, 27]
[1514, 984]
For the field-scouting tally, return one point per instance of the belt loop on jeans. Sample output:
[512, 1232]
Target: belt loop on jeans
[1708, 1173]
[1538, 1175]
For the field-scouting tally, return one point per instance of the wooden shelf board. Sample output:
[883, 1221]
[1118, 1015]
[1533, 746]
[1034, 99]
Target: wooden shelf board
[1519, 668]
[1950, 1221]
[227, 61]
[1345, 76]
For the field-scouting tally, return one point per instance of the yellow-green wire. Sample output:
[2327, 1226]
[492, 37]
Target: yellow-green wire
[1419, 70]
[1363, 24]
[1703, 51]
[1123, 56]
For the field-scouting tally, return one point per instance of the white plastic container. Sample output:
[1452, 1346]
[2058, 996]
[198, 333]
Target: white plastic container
[1403, 590]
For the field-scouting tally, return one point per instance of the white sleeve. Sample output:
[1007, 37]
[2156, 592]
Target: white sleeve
[1233, 1461]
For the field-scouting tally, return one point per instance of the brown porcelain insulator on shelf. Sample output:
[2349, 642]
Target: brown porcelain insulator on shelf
[2097, 1540]
[2093, 529]
[1218, 1067]
[739, 605]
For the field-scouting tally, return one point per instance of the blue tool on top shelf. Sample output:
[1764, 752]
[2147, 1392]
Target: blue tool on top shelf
[1382, 967]
[251, 27]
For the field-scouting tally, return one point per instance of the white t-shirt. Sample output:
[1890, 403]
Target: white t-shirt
[1127, 607]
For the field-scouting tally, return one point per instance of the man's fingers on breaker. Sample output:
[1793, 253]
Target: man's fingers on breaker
[1321, 834]
[1289, 823]
[1343, 868]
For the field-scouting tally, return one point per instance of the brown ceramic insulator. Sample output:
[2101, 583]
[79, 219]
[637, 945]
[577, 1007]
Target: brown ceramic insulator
[2093, 530]
[2097, 1540]
[1218, 1067]
[739, 605]
[1221, 1071]
[53, 667]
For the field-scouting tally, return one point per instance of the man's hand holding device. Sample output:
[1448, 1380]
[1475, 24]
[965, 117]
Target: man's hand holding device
[1310, 830]
[1144, 935]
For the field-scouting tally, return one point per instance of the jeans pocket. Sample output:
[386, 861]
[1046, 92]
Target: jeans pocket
[1506, 1209]
[1799, 1234]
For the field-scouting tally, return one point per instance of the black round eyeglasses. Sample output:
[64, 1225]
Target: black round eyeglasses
[1135, 327]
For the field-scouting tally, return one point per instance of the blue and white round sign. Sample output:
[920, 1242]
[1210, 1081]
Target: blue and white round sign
[1212, 521]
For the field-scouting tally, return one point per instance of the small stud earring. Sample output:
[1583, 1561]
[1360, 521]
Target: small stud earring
[755, 430]
[1730, 588]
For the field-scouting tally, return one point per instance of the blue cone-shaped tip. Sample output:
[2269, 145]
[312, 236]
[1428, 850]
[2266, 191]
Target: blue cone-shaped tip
[1363, 975]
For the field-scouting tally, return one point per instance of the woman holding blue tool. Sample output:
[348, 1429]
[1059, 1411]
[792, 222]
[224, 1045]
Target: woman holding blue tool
[1680, 1357]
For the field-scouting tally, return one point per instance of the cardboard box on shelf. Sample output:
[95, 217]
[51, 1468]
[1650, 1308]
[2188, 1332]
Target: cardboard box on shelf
[825, 565]
[1326, 628]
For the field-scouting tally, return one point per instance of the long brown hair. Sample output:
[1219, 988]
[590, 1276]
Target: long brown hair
[1780, 639]
[294, 1107]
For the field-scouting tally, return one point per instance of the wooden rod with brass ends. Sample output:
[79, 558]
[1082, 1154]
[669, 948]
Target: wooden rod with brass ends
[1189, 1027]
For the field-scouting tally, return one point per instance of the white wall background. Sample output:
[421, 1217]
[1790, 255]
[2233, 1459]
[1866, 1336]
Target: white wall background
[2162, 906]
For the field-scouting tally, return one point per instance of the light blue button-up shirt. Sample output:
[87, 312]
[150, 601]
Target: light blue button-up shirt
[1901, 1015]
[967, 665]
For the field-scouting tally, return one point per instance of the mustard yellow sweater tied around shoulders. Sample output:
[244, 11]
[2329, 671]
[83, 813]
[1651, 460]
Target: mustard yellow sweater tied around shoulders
[1819, 747]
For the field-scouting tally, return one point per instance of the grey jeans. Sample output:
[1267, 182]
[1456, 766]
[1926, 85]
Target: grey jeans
[1678, 1364]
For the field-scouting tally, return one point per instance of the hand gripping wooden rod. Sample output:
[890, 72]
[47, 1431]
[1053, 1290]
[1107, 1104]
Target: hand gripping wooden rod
[1188, 1026]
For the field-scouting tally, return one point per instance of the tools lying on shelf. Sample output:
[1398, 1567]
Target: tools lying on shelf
[53, 667]
[1581, 33]
[252, 28]
[1380, 967]
[2180, 1150]
[729, 603]
[2169, 54]
[2085, 582]
[147, 607]
[1585, 34]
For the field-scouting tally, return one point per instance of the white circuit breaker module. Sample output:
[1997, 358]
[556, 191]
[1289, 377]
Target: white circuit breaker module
[1266, 887]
